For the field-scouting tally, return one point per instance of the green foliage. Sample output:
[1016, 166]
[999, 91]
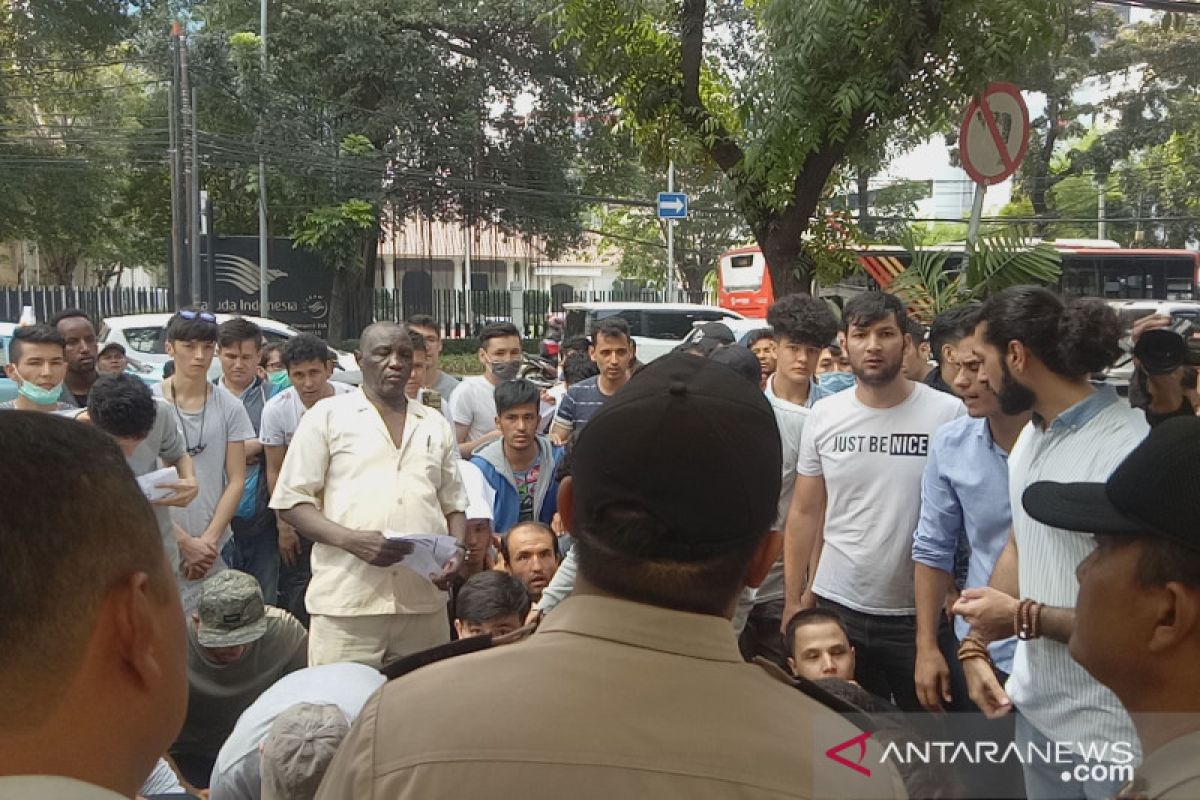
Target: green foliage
[71, 112]
[996, 262]
[811, 82]
[335, 232]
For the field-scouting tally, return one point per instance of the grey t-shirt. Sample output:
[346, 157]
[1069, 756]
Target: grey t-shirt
[206, 432]
[163, 445]
[166, 445]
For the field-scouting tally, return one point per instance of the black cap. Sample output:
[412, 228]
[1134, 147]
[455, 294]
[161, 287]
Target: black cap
[718, 331]
[1160, 351]
[112, 346]
[692, 445]
[740, 360]
[1154, 492]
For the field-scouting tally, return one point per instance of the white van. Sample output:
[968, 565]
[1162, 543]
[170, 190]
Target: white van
[657, 328]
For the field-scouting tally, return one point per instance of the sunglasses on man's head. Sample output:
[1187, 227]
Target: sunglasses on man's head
[203, 316]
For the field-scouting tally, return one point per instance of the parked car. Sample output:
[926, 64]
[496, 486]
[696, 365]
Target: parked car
[144, 338]
[1129, 312]
[657, 328]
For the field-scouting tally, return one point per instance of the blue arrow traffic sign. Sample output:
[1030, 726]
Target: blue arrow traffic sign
[672, 205]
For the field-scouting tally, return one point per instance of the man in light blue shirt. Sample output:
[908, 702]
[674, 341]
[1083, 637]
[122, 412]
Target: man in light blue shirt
[964, 492]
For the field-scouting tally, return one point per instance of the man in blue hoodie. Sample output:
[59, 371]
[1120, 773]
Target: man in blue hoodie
[520, 466]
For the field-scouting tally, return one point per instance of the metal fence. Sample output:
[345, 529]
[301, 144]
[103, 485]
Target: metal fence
[460, 315]
[96, 302]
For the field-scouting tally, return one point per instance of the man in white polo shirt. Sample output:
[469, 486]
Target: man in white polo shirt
[359, 465]
[1037, 354]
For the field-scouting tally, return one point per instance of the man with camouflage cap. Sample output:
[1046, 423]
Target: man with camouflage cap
[237, 648]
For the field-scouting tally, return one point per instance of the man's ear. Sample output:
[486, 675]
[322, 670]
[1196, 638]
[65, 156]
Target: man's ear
[766, 554]
[130, 609]
[1177, 615]
[566, 502]
[358, 358]
[11, 372]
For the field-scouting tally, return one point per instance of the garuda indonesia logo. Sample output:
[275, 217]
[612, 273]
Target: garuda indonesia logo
[243, 273]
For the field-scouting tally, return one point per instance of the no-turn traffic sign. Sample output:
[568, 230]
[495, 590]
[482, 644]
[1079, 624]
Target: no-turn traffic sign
[994, 134]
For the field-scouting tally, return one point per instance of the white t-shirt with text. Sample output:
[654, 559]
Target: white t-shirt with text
[872, 460]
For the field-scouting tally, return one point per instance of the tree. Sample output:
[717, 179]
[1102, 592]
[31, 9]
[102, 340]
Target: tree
[815, 81]
[1057, 77]
[996, 262]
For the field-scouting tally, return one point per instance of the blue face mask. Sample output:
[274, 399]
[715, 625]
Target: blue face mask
[36, 394]
[836, 381]
[280, 379]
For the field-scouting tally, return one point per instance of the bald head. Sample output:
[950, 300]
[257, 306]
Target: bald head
[385, 356]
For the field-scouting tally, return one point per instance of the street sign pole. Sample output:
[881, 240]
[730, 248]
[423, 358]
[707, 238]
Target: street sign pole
[976, 215]
[670, 234]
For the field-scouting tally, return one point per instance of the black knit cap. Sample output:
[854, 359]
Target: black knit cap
[692, 443]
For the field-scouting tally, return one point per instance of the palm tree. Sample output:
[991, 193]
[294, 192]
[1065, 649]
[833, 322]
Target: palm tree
[996, 261]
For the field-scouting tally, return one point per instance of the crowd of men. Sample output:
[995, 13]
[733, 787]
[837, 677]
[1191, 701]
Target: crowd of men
[698, 576]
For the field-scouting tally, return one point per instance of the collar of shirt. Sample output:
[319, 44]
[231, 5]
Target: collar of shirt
[1081, 413]
[815, 392]
[649, 627]
[53, 787]
[984, 431]
[1175, 763]
[362, 404]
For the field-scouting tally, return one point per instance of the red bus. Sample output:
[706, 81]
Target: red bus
[1106, 271]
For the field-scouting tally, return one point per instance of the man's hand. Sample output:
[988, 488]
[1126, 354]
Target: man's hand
[289, 544]
[932, 678]
[184, 492]
[985, 691]
[548, 398]
[1152, 322]
[375, 548]
[449, 570]
[534, 615]
[791, 609]
[198, 557]
[988, 611]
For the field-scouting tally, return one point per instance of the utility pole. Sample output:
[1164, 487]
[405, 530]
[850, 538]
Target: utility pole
[176, 282]
[1101, 226]
[264, 306]
[189, 173]
[670, 236]
[194, 220]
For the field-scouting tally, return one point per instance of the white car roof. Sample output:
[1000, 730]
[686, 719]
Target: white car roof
[160, 320]
[610, 306]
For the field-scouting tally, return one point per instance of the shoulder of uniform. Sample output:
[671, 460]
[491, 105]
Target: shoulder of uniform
[844, 708]
[446, 652]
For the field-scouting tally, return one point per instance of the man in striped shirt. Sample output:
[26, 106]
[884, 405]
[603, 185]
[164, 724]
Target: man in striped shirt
[1037, 354]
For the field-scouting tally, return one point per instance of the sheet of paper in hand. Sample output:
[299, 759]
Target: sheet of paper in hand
[151, 480]
[430, 553]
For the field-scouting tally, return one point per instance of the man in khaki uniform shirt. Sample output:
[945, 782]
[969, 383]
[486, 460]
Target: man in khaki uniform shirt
[361, 464]
[678, 478]
[1137, 619]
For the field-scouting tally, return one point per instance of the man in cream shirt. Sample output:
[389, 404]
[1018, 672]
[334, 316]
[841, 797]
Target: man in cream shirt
[359, 465]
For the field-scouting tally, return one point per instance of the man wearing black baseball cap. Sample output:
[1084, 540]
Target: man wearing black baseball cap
[673, 489]
[1137, 619]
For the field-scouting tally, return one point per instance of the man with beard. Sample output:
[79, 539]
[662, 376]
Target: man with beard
[363, 471]
[530, 553]
[862, 454]
[1040, 351]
